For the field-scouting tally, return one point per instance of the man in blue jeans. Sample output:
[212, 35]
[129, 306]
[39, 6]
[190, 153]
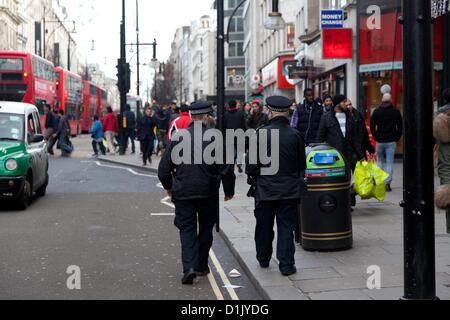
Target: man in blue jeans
[387, 129]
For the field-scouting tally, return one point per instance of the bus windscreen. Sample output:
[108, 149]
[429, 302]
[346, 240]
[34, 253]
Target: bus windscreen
[9, 64]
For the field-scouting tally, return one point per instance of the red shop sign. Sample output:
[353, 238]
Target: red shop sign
[337, 43]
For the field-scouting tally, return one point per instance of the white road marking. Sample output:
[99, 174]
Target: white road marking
[163, 214]
[98, 163]
[58, 174]
[167, 201]
[159, 185]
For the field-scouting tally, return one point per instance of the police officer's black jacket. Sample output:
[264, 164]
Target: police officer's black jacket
[194, 181]
[288, 183]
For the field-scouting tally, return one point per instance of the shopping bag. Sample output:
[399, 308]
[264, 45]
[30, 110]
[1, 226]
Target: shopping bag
[363, 180]
[380, 177]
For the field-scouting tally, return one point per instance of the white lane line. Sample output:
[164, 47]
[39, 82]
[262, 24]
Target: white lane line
[224, 277]
[98, 163]
[57, 175]
[159, 185]
[163, 214]
[168, 202]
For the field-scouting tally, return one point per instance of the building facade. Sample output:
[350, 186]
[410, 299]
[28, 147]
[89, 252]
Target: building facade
[10, 20]
[202, 53]
[324, 76]
[234, 52]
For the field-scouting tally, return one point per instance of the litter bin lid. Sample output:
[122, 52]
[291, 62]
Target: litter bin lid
[324, 158]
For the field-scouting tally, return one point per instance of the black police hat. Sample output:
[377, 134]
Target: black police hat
[278, 103]
[200, 107]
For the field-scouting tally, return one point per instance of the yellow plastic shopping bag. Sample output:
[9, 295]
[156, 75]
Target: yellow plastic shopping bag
[380, 178]
[370, 181]
[363, 180]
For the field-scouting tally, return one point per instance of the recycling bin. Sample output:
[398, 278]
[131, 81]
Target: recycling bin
[325, 213]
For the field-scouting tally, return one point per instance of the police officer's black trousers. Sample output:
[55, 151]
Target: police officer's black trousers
[285, 212]
[196, 242]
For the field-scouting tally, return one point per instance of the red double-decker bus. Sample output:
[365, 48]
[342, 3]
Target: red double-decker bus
[25, 77]
[103, 96]
[69, 93]
[95, 101]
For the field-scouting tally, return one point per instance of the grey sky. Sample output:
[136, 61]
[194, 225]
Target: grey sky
[99, 20]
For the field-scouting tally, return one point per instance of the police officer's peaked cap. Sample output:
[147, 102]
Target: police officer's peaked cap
[200, 107]
[278, 103]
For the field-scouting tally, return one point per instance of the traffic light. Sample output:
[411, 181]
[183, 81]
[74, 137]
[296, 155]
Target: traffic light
[127, 77]
[119, 75]
[123, 76]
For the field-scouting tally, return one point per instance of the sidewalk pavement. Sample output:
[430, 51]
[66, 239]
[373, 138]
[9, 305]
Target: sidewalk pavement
[378, 240]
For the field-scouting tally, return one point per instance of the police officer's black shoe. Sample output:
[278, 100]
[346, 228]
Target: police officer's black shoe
[203, 273]
[189, 277]
[289, 272]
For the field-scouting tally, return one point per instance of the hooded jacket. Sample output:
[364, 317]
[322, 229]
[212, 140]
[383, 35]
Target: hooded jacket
[386, 124]
[442, 135]
[182, 122]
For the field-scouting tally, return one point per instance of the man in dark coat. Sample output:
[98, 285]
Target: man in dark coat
[129, 128]
[362, 140]
[386, 125]
[278, 195]
[234, 120]
[194, 189]
[337, 129]
[307, 117]
[257, 118]
[146, 128]
[50, 129]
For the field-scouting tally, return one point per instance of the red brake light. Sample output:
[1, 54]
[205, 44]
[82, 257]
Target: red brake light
[25, 74]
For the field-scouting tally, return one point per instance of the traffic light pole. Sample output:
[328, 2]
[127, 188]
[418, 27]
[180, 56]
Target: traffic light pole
[418, 204]
[123, 77]
[220, 79]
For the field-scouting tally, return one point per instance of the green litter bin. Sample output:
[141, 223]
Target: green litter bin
[325, 215]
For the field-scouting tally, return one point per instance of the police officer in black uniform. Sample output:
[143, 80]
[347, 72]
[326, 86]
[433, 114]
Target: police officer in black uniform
[194, 189]
[278, 196]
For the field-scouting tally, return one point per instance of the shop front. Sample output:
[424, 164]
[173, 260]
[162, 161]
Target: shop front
[381, 59]
[275, 77]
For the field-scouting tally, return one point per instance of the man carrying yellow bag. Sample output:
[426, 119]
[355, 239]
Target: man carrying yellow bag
[370, 180]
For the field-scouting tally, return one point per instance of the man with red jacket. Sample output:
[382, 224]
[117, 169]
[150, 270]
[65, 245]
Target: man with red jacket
[111, 128]
[182, 122]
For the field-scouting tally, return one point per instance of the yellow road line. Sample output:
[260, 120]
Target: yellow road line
[215, 287]
[224, 277]
[217, 265]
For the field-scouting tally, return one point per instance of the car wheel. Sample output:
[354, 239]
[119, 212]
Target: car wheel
[42, 191]
[23, 202]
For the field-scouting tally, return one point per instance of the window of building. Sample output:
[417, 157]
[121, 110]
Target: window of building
[231, 4]
[237, 25]
[236, 49]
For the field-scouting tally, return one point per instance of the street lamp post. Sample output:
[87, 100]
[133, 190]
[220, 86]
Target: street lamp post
[221, 37]
[418, 203]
